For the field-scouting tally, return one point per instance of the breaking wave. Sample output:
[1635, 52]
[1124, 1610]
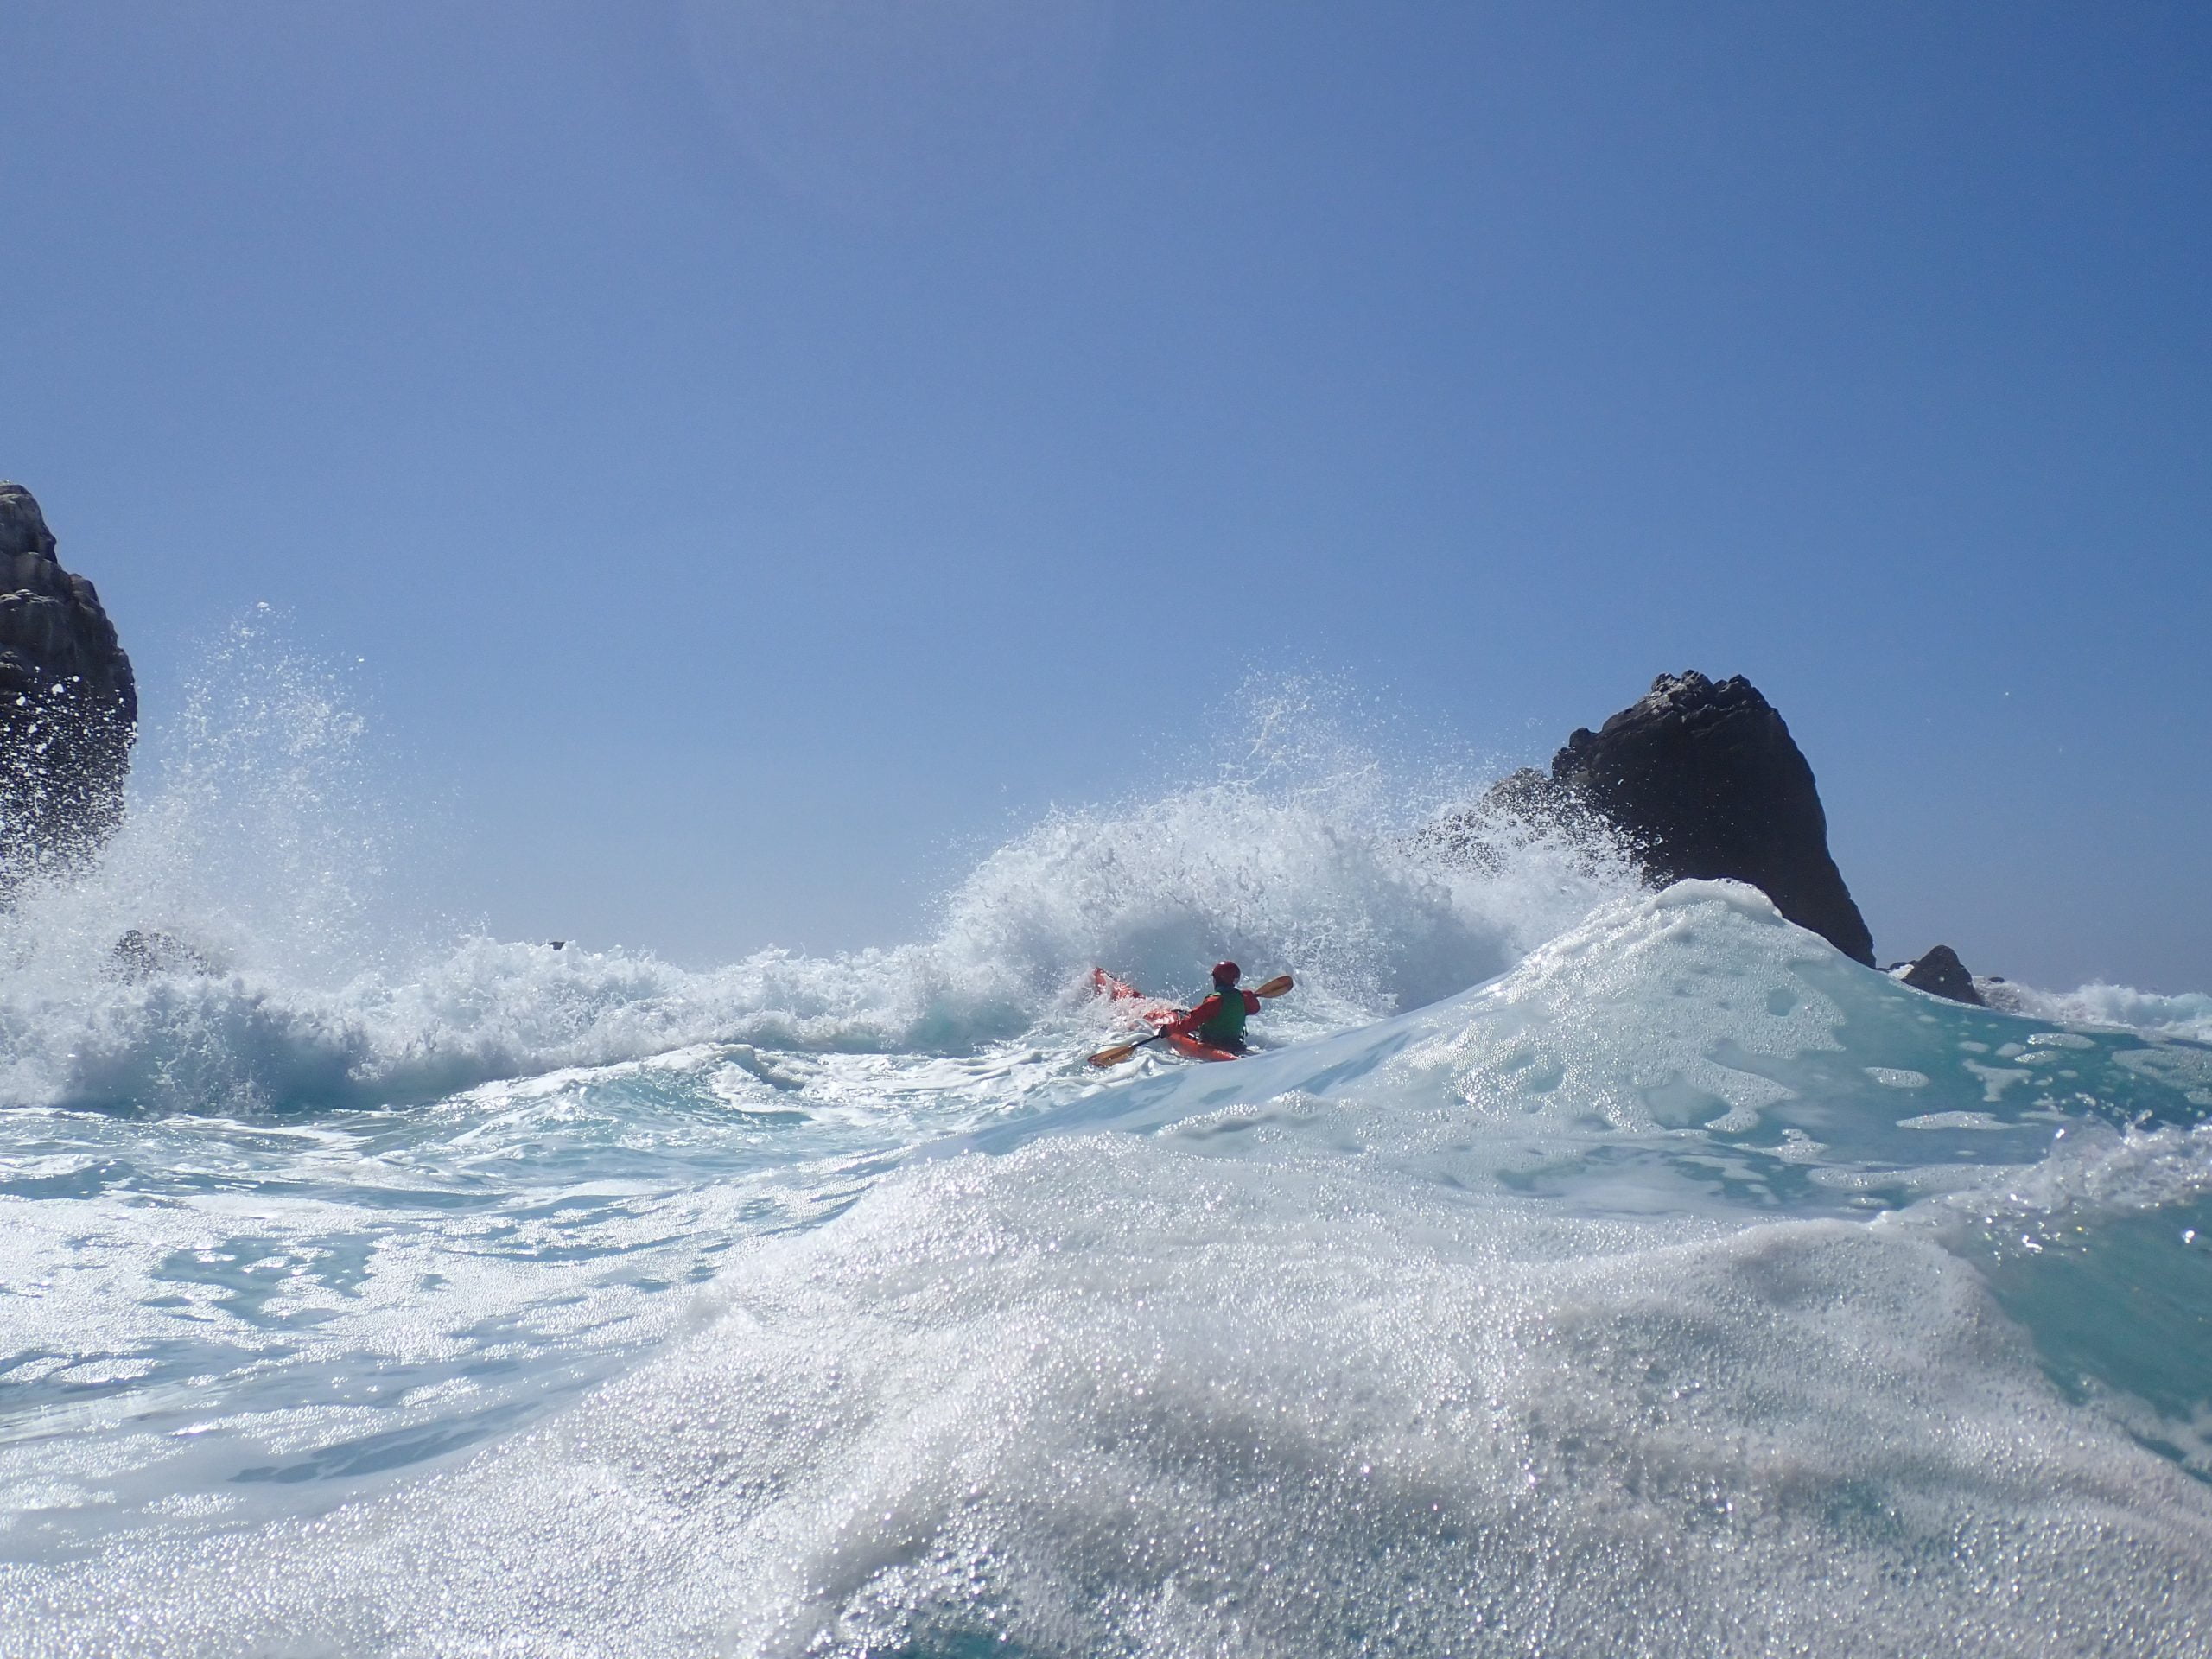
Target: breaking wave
[279, 979]
[1570, 1270]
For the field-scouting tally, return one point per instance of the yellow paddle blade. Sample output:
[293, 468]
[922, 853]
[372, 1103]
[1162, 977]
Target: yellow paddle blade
[1274, 987]
[1121, 1052]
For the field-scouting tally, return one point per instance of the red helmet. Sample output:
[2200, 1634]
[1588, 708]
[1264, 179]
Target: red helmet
[1227, 973]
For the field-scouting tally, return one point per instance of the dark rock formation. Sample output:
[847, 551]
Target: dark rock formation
[1706, 781]
[1702, 781]
[69, 706]
[1941, 972]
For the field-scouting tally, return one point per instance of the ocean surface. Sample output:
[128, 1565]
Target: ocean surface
[1571, 1270]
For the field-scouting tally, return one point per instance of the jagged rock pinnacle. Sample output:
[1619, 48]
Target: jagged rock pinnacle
[68, 704]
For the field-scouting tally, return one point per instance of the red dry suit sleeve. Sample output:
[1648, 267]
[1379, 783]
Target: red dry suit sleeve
[1199, 1015]
[1210, 1007]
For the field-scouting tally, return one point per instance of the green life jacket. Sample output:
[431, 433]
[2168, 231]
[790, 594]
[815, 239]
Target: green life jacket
[1226, 1028]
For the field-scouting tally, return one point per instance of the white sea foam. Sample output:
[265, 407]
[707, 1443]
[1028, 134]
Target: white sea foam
[288, 985]
[260, 847]
[1308, 1369]
[1308, 1354]
[1599, 1273]
[2188, 1015]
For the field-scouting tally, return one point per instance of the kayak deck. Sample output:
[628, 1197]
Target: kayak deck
[1118, 990]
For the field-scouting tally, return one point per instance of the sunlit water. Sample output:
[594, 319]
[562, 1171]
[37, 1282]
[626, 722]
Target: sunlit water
[1571, 1270]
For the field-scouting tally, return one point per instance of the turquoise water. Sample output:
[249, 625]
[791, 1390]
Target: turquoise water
[1571, 1271]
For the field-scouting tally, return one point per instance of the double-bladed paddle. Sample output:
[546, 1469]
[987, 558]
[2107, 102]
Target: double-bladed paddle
[1120, 1051]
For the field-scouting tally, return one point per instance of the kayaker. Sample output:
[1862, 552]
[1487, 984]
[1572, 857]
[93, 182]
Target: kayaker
[1219, 1020]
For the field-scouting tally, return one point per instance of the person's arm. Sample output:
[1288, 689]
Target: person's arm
[1251, 1003]
[1197, 1016]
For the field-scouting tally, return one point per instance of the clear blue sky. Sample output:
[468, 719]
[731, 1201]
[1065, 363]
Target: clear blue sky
[759, 449]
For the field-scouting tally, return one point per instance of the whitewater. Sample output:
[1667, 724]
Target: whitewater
[1571, 1270]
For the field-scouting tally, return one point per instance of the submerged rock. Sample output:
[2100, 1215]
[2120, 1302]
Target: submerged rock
[148, 953]
[68, 704]
[1702, 781]
[1940, 973]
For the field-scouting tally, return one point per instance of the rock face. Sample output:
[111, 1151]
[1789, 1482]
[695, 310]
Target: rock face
[1703, 781]
[1941, 972]
[1706, 781]
[68, 705]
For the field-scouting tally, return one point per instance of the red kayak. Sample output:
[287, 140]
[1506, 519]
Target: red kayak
[1158, 1013]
